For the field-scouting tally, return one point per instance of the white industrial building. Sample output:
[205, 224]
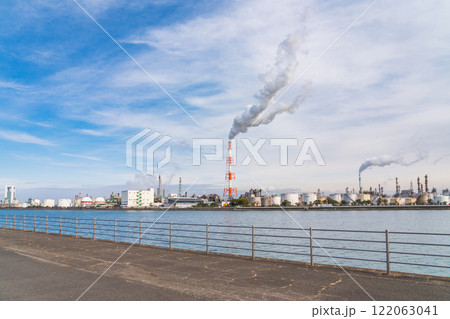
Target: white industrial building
[10, 194]
[183, 202]
[290, 197]
[138, 198]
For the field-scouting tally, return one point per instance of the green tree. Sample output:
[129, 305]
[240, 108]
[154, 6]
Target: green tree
[286, 203]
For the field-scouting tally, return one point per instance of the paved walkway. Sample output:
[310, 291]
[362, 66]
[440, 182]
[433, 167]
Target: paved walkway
[36, 266]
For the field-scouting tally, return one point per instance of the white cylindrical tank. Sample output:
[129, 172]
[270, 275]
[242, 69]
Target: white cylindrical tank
[440, 199]
[336, 197]
[291, 197]
[276, 200]
[49, 203]
[35, 202]
[350, 198]
[256, 200]
[64, 203]
[309, 198]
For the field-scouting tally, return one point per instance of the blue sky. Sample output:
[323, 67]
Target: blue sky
[69, 97]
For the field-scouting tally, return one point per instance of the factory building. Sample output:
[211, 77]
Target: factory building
[138, 198]
[184, 202]
[35, 202]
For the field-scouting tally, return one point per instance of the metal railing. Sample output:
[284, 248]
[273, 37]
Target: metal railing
[363, 249]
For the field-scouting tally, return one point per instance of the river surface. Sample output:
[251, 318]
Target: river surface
[283, 243]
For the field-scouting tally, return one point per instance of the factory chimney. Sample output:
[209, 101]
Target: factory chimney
[426, 184]
[229, 191]
[418, 185]
[179, 188]
[360, 186]
[159, 186]
[397, 188]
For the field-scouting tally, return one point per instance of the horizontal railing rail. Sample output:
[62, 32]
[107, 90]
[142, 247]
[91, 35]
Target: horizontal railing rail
[368, 247]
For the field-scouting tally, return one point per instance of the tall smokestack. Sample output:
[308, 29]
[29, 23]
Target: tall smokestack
[426, 184]
[159, 186]
[229, 191]
[360, 185]
[418, 185]
[179, 188]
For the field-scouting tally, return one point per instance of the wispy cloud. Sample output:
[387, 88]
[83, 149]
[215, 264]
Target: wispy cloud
[93, 132]
[12, 85]
[86, 157]
[20, 137]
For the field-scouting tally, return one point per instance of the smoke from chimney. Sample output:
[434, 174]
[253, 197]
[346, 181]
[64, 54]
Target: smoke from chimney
[386, 160]
[274, 81]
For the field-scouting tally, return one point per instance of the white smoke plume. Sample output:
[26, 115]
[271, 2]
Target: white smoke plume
[273, 82]
[386, 160]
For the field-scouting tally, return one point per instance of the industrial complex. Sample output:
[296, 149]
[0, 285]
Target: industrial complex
[422, 194]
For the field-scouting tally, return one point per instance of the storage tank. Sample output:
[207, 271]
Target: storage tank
[422, 199]
[309, 198]
[276, 200]
[86, 202]
[64, 203]
[291, 197]
[266, 201]
[336, 197]
[440, 199]
[349, 198]
[49, 203]
[256, 200]
[35, 202]
[99, 201]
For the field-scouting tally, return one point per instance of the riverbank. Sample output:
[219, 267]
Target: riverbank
[39, 266]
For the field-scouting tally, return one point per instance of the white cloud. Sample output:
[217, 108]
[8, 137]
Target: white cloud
[20, 137]
[91, 158]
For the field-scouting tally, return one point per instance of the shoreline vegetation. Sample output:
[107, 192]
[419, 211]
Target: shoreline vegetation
[236, 208]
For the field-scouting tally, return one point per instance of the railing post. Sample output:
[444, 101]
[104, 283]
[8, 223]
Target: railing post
[46, 224]
[311, 247]
[388, 257]
[93, 230]
[23, 226]
[14, 225]
[170, 236]
[140, 233]
[76, 227]
[115, 229]
[34, 226]
[253, 242]
[207, 238]
[60, 220]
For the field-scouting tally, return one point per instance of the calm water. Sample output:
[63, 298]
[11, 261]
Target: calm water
[426, 221]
